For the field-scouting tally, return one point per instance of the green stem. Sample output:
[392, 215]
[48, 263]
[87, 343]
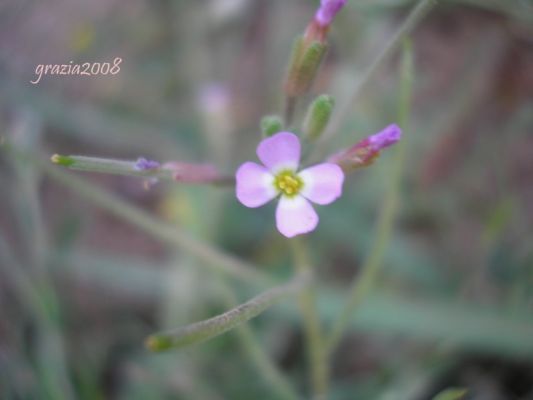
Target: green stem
[363, 284]
[290, 107]
[313, 330]
[123, 167]
[213, 327]
[416, 14]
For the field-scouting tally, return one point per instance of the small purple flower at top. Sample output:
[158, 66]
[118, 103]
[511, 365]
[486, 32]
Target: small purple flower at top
[144, 164]
[327, 11]
[258, 184]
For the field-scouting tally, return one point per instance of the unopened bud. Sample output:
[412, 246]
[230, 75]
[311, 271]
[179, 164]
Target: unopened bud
[365, 152]
[305, 62]
[143, 164]
[318, 116]
[327, 11]
[270, 125]
[192, 173]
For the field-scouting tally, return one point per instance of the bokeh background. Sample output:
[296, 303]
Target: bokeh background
[81, 288]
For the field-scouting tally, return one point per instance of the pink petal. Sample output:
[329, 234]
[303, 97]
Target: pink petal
[295, 216]
[322, 183]
[255, 185]
[280, 151]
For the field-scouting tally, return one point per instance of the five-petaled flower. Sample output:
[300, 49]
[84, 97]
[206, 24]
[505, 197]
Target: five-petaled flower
[258, 184]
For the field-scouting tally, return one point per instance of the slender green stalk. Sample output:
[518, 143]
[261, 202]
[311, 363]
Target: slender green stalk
[363, 284]
[35, 287]
[313, 330]
[346, 107]
[213, 327]
[124, 167]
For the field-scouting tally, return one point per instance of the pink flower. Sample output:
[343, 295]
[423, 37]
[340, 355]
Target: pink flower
[258, 184]
[327, 11]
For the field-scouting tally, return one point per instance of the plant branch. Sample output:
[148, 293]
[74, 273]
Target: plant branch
[129, 168]
[208, 329]
[338, 118]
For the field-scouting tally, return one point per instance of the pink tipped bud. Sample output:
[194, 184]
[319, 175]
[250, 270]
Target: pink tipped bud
[318, 28]
[327, 11]
[192, 173]
[364, 153]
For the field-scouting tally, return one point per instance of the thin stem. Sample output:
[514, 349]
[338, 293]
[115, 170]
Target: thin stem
[417, 13]
[213, 327]
[290, 107]
[127, 168]
[313, 330]
[363, 284]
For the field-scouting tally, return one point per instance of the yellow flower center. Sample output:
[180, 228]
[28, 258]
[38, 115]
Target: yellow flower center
[288, 183]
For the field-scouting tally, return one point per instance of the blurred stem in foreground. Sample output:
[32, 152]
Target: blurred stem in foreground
[210, 256]
[363, 284]
[313, 330]
[210, 328]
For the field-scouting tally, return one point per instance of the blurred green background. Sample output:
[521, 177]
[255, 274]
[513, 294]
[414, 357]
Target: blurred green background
[81, 288]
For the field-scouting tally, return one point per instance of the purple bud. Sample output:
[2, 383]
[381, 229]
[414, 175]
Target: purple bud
[327, 11]
[364, 152]
[387, 137]
[144, 164]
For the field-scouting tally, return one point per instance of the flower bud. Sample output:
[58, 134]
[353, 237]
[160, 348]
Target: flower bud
[318, 116]
[270, 125]
[144, 164]
[327, 11]
[364, 153]
[192, 173]
[305, 62]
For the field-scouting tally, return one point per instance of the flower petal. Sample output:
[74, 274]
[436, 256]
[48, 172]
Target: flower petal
[295, 216]
[322, 183]
[255, 185]
[280, 151]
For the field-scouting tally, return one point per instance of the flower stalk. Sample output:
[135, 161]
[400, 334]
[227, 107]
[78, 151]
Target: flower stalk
[191, 173]
[317, 351]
